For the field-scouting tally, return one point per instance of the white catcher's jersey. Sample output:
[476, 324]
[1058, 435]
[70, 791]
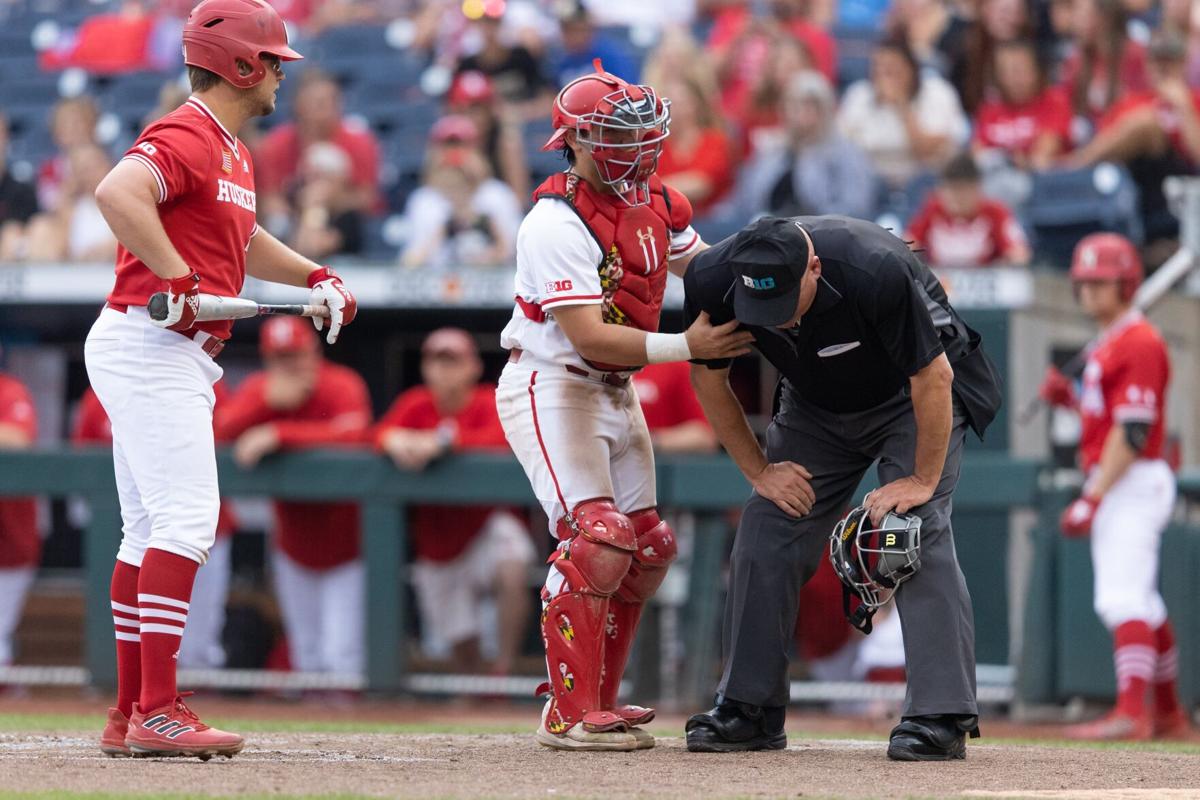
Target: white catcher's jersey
[557, 265]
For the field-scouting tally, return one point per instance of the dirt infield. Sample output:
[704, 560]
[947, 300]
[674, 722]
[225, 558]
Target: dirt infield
[510, 765]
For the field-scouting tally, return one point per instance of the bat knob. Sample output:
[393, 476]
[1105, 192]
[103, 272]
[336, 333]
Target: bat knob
[157, 307]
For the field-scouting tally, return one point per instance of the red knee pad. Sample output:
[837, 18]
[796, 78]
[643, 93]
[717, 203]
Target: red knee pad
[655, 551]
[599, 547]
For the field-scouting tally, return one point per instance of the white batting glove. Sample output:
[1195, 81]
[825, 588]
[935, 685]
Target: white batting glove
[328, 290]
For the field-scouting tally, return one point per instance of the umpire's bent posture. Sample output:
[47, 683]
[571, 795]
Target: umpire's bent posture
[876, 366]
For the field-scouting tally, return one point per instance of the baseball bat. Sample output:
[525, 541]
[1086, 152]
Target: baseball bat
[1148, 294]
[215, 307]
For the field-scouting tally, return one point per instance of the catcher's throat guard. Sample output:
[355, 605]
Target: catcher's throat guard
[872, 561]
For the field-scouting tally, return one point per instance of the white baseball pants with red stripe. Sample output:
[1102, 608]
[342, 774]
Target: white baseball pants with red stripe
[577, 439]
[157, 388]
[1126, 534]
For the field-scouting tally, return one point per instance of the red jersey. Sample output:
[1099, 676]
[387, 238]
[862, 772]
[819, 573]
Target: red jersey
[1165, 113]
[710, 157]
[952, 241]
[92, 426]
[1015, 128]
[20, 545]
[206, 203]
[666, 395]
[1133, 76]
[281, 150]
[1125, 380]
[314, 535]
[443, 533]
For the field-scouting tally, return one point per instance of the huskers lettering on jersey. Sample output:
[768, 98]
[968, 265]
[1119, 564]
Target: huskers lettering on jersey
[205, 185]
[1125, 380]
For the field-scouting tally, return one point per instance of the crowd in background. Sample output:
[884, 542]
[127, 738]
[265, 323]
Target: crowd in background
[860, 107]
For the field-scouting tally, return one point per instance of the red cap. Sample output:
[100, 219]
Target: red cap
[470, 87]
[1108, 256]
[450, 341]
[454, 128]
[220, 32]
[287, 335]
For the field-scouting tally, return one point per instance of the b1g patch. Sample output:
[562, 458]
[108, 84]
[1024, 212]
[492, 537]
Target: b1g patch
[553, 287]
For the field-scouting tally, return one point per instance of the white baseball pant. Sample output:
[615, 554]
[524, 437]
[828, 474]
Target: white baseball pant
[157, 388]
[324, 615]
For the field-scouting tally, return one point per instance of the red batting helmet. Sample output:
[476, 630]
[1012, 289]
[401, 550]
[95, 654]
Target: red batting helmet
[219, 33]
[621, 124]
[1108, 256]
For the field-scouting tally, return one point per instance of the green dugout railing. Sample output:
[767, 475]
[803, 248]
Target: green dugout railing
[991, 486]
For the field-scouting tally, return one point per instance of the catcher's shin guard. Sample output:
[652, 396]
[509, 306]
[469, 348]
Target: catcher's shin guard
[655, 551]
[594, 557]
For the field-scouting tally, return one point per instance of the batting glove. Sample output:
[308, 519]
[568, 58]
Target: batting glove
[328, 290]
[1076, 520]
[1057, 389]
[183, 302]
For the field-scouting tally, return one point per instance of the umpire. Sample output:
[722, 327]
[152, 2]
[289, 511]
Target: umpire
[876, 366]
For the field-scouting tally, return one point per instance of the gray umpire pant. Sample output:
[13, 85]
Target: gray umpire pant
[775, 554]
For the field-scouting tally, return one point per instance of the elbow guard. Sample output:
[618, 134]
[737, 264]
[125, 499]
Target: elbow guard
[1136, 435]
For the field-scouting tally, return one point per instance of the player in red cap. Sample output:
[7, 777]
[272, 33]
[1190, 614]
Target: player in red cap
[592, 262]
[182, 204]
[20, 544]
[1129, 491]
[300, 401]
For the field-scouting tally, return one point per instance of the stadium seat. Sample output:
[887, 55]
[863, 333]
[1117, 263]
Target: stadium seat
[1067, 205]
[854, 47]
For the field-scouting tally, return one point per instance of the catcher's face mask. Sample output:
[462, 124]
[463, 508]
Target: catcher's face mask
[871, 561]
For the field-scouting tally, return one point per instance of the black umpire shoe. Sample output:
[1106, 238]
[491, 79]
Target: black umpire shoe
[939, 737]
[732, 727]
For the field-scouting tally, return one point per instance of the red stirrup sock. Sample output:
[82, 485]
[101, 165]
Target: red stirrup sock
[1135, 659]
[123, 594]
[164, 592]
[1166, 698]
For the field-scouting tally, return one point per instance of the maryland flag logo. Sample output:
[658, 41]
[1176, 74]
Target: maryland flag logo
[226, 161]
[611, 271]
[554, 721]
[566, 629]
[568, 678]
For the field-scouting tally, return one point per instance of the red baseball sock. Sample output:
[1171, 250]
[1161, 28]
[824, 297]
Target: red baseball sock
[164, 591]
[123, 594]
[1166, 699]
[1135, 659]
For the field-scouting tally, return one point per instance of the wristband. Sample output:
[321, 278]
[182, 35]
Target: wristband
[318, 275]
[663, 347]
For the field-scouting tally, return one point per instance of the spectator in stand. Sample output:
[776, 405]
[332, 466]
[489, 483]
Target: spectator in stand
[498, 128]
[580, 43]
[170, 97]
[300, 401]
[741, 39]
[906, 122]
[959, 227]
[1105, 65]
[20, 544]
[462, 552]
[697, 157]
[1182, 17]
[673, 414]
[76, 231]
[460, 215]
[1026, 122]
[810, 167]
[201, 646]
[515, 72]
[924, 25]
[106, 43]
[679, 55]
[328, 221]
[18, 204]
[72, 123]
[318, 118]
[969, 47]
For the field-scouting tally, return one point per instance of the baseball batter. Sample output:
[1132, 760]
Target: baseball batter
[182, 204]
[592, 262]
[1129, 491]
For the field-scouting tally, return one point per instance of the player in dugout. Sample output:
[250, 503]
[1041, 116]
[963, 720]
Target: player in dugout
[181, 202]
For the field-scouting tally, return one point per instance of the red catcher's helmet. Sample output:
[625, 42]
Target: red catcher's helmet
[622, 125]
[220, 32]
[1108, 256]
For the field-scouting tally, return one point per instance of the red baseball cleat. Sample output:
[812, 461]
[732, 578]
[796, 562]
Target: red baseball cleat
[1174, 725]
[112, 741]
[1114, 727]
[173, 730]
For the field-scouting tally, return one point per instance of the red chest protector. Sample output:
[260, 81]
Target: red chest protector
[635, 242]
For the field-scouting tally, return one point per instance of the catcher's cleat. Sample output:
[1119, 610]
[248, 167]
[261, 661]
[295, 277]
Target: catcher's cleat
[174, 730]
[577, 737]
[939, 737]
[112, 740]
[644, 738]
[732, 727]
[1173, 725]
[1114, 727]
